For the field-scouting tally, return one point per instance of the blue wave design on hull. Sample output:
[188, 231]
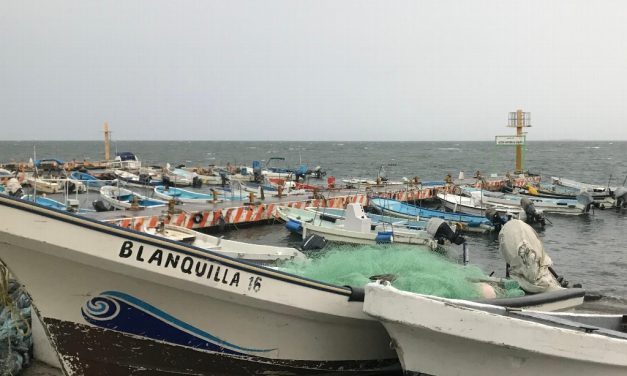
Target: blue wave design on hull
[124, 313]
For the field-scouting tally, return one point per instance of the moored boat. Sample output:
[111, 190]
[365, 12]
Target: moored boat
[5, 175]
[238, 250]
[183, 195]
[90, 181]
[579, 206]
[376, 218]
[593, 188]
[356, 228]
[288, 189]
[449, 337]
[44, 185]
[133, 180]
[465, 222]
[121, 198]
[72, 205]
[471, 205]
[181, 310]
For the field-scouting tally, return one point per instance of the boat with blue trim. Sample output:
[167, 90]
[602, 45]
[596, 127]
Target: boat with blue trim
[465, 222]
[90, 181]
[72, 205]
[354, 228]
[121, 198]
[183, 195]
[257, 253]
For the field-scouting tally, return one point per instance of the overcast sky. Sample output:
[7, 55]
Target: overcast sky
[312, 70]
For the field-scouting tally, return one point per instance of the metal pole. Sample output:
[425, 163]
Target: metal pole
[519, 132]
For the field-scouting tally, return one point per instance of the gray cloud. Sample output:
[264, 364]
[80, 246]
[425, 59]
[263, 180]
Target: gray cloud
[323, 70]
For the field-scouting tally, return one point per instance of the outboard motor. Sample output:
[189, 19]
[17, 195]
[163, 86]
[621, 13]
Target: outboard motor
[318, 173]
[166, 181]
[71, 187]
[224, 179]
[527, 261]
[585, 199]
[100, 206]
[313, 242]
[196, 182]
[533, 216]
[497, 220]
[441, 231]
[620, 195]
[258, 177]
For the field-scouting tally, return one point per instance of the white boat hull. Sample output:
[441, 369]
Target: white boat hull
[546, 207]
[462, 204]
[436, 337]
[258, 253]
[123, 302]
[353, 237]
[45, 186]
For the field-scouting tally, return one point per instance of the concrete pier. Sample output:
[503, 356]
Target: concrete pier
[234, 212]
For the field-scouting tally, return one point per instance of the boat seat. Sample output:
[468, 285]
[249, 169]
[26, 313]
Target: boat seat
[567, 323]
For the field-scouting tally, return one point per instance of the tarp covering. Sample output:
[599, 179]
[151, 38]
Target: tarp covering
[523, 251]
[413, 269]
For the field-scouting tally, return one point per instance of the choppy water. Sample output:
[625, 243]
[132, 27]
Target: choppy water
[590, 249]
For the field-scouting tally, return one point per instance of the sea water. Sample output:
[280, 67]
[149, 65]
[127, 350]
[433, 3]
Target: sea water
[591, 249]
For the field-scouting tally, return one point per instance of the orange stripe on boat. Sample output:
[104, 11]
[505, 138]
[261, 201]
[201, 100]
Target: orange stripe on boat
[153, 221]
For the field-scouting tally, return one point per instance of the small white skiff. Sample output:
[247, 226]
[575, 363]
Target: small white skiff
[355, 228]
[244, 251]
[447, 337]
[121, 198]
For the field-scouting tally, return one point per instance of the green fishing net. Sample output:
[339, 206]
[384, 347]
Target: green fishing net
[413, 270]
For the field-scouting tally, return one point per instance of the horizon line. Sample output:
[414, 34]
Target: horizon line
[225, 140]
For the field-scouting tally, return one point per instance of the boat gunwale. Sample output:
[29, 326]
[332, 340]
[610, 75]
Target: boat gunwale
[170, 245]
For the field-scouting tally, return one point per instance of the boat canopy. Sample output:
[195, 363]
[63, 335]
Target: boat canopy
[126, 156]
[48, 162]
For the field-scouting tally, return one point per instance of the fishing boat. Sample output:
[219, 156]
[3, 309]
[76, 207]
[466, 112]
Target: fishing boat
[209, 176]
[354, 228]
[276, 168]
[178, 177]
[5, 175]
[125, 302]
[72, 205]
[121, 198]
[125, 160]
[580, 186]
[12, 188]
[448, 337]
[465, 222]
[287, 189]
[364, 182]
[44, 185]
[183, 195]
[335, 214]
[90, 181]
[133, 180]
[471, 205]
[548, 205]
[601, 199]
[256, 253]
